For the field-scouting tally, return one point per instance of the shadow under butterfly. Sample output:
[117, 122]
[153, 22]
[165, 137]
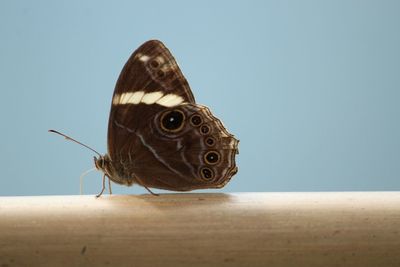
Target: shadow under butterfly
[158, 136]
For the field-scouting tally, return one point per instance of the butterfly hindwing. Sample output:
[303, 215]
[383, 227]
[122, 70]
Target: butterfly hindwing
[197, 152]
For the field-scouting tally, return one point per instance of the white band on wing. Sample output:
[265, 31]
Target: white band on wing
[165, 100]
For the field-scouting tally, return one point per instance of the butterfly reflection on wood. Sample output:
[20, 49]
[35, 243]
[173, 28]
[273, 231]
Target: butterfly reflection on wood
[158, 137]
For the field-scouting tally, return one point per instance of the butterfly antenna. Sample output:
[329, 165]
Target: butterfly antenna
[73, 140]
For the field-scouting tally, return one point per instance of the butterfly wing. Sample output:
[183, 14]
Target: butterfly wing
[194, 151]
[153, 135]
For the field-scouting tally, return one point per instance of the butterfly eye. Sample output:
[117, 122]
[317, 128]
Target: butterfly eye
[196, 120]
[210, 141]
[205, 129]
[172, 121]
[154, 64]
[212, 157]
[207, 173]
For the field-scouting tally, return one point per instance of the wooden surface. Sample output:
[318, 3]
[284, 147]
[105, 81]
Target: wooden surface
[244, 229]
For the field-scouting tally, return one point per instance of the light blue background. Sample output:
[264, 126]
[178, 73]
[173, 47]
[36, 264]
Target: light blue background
[311, 88]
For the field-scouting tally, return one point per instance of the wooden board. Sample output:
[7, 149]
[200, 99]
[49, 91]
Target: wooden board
[243, 229]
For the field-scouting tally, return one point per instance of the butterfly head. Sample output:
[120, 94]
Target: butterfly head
[101, 163]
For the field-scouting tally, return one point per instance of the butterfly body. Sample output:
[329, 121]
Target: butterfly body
[158, 136]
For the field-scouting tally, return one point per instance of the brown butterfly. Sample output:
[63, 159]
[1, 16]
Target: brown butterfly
[158, 137]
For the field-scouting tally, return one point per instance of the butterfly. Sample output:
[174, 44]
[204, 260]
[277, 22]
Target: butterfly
[158, 136]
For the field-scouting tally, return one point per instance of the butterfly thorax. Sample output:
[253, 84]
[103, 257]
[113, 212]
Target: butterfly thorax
[104, 164]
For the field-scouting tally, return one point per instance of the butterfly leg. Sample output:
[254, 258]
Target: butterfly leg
[104, 186]
[139, 181]
[151, 192]
[109, 186]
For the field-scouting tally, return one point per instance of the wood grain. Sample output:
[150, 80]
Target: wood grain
[243, 229]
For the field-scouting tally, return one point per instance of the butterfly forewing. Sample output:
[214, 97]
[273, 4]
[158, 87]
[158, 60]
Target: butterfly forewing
[139, 85]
